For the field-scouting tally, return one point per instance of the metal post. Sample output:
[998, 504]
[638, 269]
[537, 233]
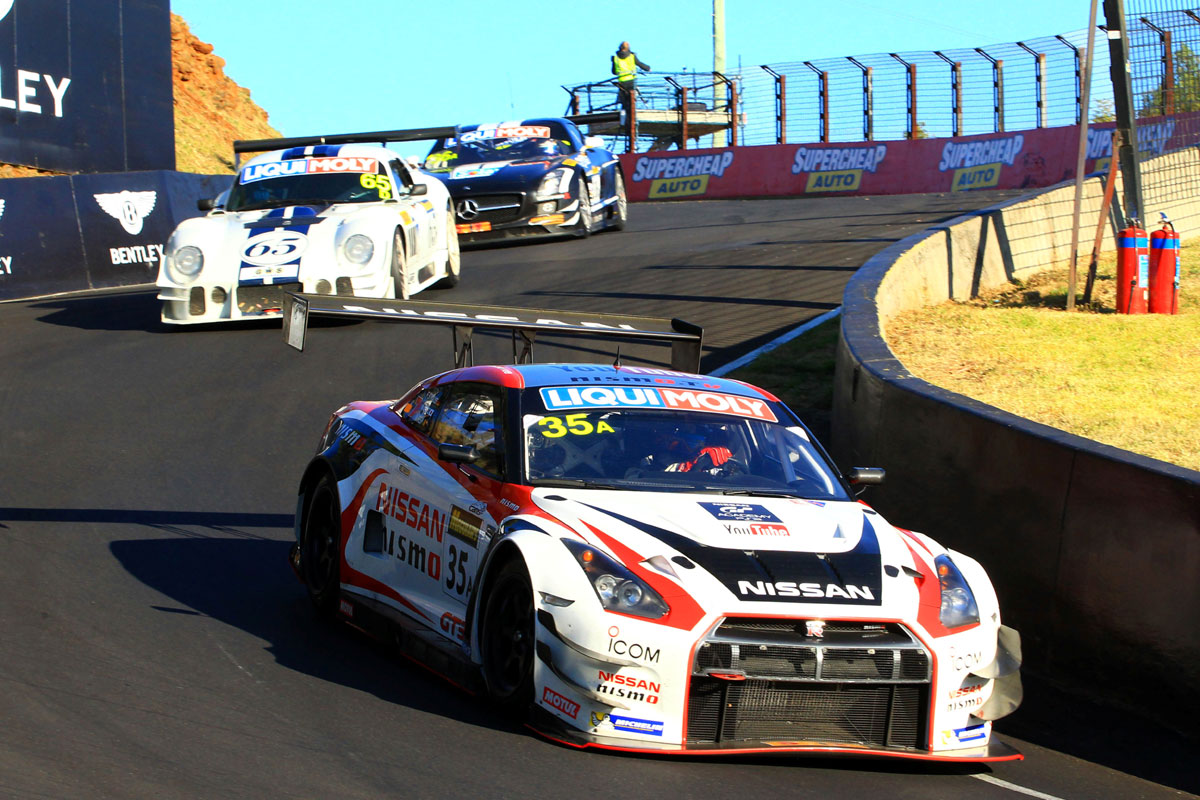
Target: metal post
[683, 119]
[1039, 69]
[718, 58]
[1078, 99]
[822, 98]
[997, 90]
[780, 105]
[1168, 60]
[868, 76]
[1119, 71]
[955, 91]
[733, 114]
[911, 85]
[1079, 162]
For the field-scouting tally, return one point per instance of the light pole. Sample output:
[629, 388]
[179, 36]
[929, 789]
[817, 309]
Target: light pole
[719, 65]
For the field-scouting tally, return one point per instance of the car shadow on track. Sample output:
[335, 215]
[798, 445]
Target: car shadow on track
[247, 583]
[139, 310]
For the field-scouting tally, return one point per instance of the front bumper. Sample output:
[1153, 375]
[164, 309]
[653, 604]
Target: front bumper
[550, 727]
[768, 685]
[513, 215]
[221, 302]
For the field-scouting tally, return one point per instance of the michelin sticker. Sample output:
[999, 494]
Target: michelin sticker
[681, 176]
[977, 165]
[837, 169]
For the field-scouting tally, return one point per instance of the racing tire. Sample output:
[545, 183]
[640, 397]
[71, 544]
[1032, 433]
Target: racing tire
[508, 639]
[453, 255]
[399, 267]
[321, 547]
[587, 220]
[621, 207]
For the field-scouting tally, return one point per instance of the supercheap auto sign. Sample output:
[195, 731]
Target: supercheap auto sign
[85, 85]
[1019, 160]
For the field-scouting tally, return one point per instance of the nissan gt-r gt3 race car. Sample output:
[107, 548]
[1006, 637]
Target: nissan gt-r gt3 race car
[644, 559]
[346, 219]
[529, 177]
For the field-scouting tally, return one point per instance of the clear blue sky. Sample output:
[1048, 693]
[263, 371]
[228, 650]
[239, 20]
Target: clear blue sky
[322, 67]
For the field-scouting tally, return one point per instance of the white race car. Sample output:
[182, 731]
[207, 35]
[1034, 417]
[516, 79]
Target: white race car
[644, 559]
[345, 219]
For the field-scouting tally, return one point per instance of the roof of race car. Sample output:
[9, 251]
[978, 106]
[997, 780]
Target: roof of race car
[325, 151]
[527, 376]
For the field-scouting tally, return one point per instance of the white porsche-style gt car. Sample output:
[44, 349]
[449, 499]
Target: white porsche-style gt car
[644, 559]
[345, 219]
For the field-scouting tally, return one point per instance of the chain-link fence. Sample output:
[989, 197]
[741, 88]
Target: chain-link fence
[1164, 59]
[1004, 87]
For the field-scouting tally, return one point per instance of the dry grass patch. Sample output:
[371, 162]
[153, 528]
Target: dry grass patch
[1128, 381]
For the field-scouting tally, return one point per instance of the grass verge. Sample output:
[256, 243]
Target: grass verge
[1130, 381]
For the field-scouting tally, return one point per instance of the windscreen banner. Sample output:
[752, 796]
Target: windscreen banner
[85, 85]
[66, 234]
[1030, 159]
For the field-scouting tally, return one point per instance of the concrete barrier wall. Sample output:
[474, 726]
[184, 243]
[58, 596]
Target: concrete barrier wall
[71, 233]
[1094, 551]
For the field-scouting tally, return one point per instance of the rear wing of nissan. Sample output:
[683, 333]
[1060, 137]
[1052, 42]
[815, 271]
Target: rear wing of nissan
[525, 324]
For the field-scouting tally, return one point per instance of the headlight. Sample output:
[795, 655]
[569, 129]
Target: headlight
[358, 249]
[185, 264]
[958, 601]
[617, 587]
[555, 183]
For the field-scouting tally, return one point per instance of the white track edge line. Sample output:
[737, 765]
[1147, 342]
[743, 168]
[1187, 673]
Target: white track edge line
[1012, 787]
[771, 345]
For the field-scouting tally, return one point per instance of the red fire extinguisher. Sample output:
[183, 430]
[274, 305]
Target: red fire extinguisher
[1164, 269]
[1133, 270]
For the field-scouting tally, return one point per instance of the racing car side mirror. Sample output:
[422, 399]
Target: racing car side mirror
[206, 204]
[865, 476]
[418, 188]
[457, 453]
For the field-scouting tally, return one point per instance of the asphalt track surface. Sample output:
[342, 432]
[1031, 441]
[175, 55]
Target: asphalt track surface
[155, 644]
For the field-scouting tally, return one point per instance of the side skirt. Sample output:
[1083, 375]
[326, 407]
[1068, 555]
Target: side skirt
[414, 641]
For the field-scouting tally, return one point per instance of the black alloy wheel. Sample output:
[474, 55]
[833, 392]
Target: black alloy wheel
[320, 547]
[509, 639]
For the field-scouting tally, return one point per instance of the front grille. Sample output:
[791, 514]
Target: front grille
[493, 208]
[883, 715]
[857, 683]
[256, 299]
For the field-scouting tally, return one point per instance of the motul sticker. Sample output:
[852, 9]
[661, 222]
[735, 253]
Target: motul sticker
[560, 703]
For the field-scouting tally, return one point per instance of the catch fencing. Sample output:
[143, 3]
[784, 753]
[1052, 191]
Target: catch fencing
[1164, 60]
[1014, 86]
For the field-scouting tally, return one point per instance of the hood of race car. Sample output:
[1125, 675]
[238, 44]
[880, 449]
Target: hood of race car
[760, 549]
[498, 176]
[272, 244]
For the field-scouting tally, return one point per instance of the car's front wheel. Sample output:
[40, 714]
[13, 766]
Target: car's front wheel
[453, 256]
[320, 547]
[507, 639]
[621, 207]
[587, 220]
[399, 267]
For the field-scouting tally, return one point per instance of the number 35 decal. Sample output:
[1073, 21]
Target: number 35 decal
[576, 424]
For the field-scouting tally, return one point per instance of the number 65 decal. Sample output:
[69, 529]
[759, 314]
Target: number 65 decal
[274, 248]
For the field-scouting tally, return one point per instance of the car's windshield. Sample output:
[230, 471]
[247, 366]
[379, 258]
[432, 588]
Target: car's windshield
[483, 145]
[748, 451]
[313, 181]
